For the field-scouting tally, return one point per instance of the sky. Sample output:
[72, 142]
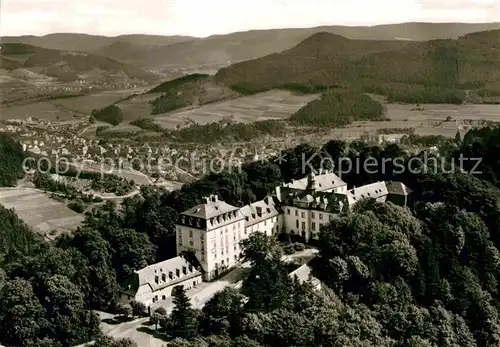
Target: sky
[202, 18]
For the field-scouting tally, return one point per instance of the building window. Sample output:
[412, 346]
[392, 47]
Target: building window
[303, 225]
[312, 214]
[321, 216]
[287, 211]
[156, 279]
[164, 297]
[156, 298]
[297, 223]
[163, 277]
[190, 268]
[177, 272]
[313, 226]
[191, 243]
[227, 260]
[296, 212]
[302, 215]
[190, 233]
[170, 275]
[202, 237]
[184, 270]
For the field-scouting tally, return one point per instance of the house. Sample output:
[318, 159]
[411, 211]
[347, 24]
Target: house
[158, 281]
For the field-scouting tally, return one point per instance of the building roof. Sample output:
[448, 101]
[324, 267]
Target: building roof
[323, 181]
[147, 275]
[321, 201]
[372, 190]
[397, 188]
[260, 211]
[212, 207]
[304, 274]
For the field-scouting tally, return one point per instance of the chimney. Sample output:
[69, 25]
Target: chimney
[215, 198]
[207, 200]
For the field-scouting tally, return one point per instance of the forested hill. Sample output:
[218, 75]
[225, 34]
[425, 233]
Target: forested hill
[427, 275]
[442, 69]
[11, 161]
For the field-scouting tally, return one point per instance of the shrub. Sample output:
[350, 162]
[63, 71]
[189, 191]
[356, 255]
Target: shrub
[110, 114]
[289, 249]
[298, 246]
[77, 206]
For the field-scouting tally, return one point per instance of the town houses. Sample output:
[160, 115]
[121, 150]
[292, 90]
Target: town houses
[211, 231]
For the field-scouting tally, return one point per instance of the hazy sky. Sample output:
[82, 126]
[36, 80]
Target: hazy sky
[207, 17]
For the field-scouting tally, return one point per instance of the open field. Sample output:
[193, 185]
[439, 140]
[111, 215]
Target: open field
[274, 104]
[44, 110]
[85, 104]
[39, 211]
[443, 120]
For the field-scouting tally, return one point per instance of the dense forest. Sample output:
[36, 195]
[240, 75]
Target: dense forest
[338, 108]
[421, 276]
[438, 71]
[11, 160]
[227, 130]
[110, 114]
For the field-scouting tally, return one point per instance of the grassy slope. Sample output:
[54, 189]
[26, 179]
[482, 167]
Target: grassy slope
[186, 91]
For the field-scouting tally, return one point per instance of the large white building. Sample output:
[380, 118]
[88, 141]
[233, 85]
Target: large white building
[212, 231]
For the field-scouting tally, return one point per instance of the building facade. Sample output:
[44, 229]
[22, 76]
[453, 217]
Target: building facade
[158, 281]
[212, 231]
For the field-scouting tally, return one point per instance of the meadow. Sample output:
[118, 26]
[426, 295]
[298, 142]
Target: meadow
[43, 214]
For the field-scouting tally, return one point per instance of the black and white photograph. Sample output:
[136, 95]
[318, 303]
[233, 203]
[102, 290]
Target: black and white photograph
[260, 173]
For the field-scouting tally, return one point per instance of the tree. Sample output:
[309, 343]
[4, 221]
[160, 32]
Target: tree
[70, 321]
[138, 308]
[221, 314]
[184, 319]
[155, 319]
[22, 317]
[268, 286]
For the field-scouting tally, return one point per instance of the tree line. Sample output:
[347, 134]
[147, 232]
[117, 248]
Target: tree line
[423, 276]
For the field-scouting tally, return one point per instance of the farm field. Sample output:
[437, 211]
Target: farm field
[44, 110]
[435, 119]
[274, 104]
[40, 212]
[85, 104]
